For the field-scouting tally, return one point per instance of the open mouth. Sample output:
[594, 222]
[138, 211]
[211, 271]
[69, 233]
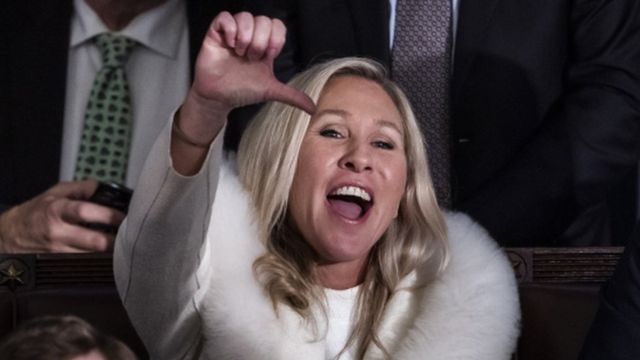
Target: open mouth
[351, 202]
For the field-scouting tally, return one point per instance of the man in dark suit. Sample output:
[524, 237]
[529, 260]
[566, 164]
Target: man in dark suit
[615, 331]
[35, 214]
[544, 106]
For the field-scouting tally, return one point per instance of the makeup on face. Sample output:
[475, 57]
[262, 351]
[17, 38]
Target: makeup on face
[351, 171]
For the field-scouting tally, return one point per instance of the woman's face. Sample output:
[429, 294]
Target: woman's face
[351, 171]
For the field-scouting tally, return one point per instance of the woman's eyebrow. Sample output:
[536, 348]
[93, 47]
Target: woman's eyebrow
[345, 115]
[390, 124]
[337, 112]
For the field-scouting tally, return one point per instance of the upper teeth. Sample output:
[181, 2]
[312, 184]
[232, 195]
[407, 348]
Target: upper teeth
[353, 191]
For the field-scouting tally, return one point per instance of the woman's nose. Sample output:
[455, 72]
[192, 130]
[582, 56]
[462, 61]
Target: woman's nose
[356, 158]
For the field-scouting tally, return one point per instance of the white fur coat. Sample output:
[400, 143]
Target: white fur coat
[184, 272]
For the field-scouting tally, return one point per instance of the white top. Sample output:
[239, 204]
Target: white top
[183, 264]
[340, 309]
[157, 71]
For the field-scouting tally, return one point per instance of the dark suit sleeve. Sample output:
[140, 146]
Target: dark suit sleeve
[4, 106]
[592, 138]
[615, 331]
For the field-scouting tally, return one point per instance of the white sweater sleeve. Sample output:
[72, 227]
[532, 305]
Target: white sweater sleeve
[158, 255]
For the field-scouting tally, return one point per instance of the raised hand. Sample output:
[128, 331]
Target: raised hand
[235, 65]
[52, 222]
[234, 68]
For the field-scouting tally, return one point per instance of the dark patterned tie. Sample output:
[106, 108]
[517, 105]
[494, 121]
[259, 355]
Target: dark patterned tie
[421, 65]
[106, 137]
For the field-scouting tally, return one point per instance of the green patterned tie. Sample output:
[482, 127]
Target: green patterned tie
[106, 137]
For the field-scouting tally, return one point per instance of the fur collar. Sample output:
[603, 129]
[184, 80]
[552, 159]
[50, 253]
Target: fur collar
[470, 312]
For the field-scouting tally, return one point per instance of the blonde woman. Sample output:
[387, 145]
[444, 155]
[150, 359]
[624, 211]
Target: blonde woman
[322, 239]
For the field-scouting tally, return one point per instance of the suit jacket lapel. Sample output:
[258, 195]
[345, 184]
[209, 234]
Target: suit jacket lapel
[38, 91]
[371, 26]
[200, 13]
[474, 17]
[197, 30]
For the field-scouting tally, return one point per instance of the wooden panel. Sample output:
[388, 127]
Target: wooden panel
[531, 265]
[564, 265]
[28, 271]
[558, 293]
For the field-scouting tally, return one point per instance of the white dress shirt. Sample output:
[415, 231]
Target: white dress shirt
[157, 70]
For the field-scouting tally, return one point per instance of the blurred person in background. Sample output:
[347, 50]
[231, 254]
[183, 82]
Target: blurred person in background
[62, 338]
[52, 55]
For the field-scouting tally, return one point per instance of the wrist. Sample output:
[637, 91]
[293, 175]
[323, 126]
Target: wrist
[177, 133]
[200, 120]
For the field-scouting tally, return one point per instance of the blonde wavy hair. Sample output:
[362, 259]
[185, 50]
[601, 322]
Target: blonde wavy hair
[417, 238]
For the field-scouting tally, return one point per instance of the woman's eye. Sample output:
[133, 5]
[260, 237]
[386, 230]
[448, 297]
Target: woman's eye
[330, 133]
[383, 145]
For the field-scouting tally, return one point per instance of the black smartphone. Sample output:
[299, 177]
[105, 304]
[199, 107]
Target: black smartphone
[114, 196]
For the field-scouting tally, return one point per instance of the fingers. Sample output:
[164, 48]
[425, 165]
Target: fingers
[68, 231]
[256, 37]
[75, 238]
[77, 212]
[224, 29]
[39, 226]
[288, 95]
[244, 36]
[235, 68]
[260, 38]
[66, 202]
[277, 39]
[73, 189]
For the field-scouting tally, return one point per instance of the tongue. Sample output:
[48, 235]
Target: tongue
[346, 209]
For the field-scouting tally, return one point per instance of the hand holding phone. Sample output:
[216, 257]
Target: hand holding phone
[112, 195]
